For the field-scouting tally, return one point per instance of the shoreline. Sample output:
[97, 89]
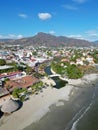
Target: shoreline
[35, 108]
[38, 105]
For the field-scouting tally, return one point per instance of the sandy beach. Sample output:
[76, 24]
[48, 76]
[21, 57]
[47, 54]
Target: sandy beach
[38, 105]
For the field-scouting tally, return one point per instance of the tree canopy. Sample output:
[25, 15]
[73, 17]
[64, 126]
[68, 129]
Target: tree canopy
[2, 62]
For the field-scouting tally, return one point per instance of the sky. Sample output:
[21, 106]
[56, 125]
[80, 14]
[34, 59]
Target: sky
[71, 18]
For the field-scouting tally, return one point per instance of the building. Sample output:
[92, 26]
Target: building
[24, 82]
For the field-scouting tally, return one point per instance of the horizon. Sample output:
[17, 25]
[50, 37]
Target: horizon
[72, 18]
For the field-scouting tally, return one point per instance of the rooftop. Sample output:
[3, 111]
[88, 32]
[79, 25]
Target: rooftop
[5, 67]
[23, 82]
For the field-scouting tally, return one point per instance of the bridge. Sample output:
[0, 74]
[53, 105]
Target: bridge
[58, 75]
[54, 75]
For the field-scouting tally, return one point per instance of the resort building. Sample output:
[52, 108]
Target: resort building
[24, 82]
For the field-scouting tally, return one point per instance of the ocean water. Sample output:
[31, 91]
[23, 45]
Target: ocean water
[80, 113]
[89, 118]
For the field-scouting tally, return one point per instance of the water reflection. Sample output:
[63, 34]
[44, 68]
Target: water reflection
[59, 83]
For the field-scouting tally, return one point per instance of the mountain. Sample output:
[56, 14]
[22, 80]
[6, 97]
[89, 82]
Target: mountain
[96, 42]
[50, 41]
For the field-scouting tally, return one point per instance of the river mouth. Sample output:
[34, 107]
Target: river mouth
[59, 83]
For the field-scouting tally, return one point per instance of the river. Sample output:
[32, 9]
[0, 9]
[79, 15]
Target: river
[59, 83]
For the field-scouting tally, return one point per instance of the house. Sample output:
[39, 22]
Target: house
[24, 82]
[89, 59]
[79, 62]
[65, 60]
[11, 75]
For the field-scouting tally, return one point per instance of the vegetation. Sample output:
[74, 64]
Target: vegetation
[74, 72]
[95, 56]
[38, 75]
[65, 69]
[49, 53]
[2, 62]
[88, 69]
[34, 53]
[15, 68]
[77, 54]
[37, 86]
[28, 69]
[16, 92]
[58, 67]
[8, 70]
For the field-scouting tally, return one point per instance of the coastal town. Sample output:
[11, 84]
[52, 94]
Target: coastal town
[25, 68]
[28, 72]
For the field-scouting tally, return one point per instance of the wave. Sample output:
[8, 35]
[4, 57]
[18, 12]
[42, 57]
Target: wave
[81, 113]
[76, 122]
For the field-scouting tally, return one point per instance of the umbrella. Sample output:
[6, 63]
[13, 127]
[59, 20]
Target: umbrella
[10, 106]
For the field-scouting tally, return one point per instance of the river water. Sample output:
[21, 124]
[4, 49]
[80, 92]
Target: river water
[59, 83]
[80, 113]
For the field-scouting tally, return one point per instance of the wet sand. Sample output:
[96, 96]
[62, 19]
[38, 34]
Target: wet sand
[59, 117]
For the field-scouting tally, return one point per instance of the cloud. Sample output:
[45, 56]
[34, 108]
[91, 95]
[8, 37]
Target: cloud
[78, 36]
[19, 36]
[14, 36]
[44, 16]
[11, 36]
[22, 15]
[70, 7]
[1, 36]
[79, 1]
[52, 32]
[92, 33]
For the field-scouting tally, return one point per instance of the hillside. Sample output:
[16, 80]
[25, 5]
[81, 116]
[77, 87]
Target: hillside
[49, 40]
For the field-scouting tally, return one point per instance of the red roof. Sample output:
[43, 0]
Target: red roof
[9, 74]
[23, 82]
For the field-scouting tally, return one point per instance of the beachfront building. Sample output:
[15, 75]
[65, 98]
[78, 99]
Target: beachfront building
[24, 82]
[12, 75]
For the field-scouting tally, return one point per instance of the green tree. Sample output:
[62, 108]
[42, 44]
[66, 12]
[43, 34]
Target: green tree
[28, 69]
[2, 62]
[16, 92]
[74, 72]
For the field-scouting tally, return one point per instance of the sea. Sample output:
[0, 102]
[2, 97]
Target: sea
[79, 113]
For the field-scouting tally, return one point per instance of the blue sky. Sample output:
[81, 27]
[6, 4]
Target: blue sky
[72, 18]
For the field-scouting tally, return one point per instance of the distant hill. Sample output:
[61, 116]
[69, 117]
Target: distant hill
[5, 40]
[49, 41]
[96, 42]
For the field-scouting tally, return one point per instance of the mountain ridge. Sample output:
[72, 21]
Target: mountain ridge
[49, 41]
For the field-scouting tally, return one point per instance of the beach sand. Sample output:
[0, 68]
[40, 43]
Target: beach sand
[61, 114]
[38, 105]
[34, 108]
